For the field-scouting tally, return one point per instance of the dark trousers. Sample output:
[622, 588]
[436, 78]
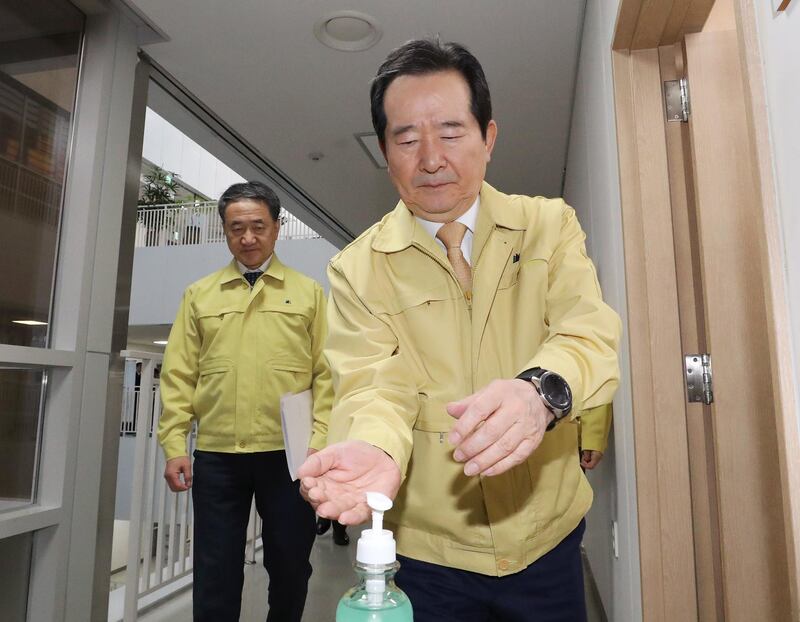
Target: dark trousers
[222, 493]
[549, 590]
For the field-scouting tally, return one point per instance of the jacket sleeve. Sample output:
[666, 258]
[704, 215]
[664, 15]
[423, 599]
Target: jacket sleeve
[179, 374]
[376, 399]
[595, 426]
[321, 384]
[583, 331]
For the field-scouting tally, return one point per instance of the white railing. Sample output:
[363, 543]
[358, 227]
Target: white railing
[130, 403]
[161, 543]
[199, 223]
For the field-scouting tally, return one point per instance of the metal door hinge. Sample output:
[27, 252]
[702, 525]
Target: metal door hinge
[699, 378]
[676, 100]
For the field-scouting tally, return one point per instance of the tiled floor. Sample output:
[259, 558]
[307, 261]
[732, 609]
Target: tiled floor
[333, 575]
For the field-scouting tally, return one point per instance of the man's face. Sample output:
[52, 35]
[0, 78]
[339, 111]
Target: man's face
[250, 231]
[433, 144]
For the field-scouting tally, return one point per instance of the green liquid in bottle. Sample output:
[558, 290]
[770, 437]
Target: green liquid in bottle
[389, 605]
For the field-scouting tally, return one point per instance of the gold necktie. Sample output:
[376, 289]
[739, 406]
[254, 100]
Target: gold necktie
[451, 234]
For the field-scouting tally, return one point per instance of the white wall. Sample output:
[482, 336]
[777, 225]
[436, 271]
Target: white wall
[169, 148]
[779, 36]
[592, 187]
[161, 273]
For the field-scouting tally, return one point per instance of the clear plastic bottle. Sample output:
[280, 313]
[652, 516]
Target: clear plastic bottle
[376, 598]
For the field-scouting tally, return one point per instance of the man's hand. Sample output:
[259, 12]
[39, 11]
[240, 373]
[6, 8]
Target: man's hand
[498, 427]
[590, 458]
[173, 471]
[336, 479]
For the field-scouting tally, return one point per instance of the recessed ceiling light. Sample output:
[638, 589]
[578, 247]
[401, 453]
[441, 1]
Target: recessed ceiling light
[348, 31]
[160, 342]
[29, 322]
[369, 142]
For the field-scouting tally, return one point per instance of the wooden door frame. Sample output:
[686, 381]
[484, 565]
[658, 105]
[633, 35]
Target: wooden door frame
[664, 504]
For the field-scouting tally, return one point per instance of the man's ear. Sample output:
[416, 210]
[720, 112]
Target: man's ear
[382, 145]
[491, 136]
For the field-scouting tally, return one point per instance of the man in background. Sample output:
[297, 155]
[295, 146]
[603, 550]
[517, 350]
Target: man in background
[244, 336]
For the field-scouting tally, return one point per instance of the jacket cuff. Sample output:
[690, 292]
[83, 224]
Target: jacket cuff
[386, 440]
[174, 448]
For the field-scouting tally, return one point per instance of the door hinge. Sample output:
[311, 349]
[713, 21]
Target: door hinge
[676, 100]
[699, 378]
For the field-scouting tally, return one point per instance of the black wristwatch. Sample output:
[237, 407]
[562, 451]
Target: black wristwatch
[553, 390]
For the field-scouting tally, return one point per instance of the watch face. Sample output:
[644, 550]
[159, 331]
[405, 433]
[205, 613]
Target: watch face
[556, 390]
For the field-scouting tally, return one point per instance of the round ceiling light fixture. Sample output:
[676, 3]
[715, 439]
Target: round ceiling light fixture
[348, 31]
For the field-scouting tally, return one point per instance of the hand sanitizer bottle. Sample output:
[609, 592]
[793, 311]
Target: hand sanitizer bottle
[376, 598]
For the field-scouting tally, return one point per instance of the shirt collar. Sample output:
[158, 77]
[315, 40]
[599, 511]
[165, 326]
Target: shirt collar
[468, 218]
[263, 267]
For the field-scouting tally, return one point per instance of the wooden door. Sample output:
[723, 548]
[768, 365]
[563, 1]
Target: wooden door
[718, 517]
[736, 488]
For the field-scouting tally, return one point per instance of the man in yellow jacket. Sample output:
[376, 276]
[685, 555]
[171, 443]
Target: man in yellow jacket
[464, 328]
[244, 336]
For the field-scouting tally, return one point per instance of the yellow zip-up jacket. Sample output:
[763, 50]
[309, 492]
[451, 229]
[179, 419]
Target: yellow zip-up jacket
[595, 424]
[233, 351]
[403, 341]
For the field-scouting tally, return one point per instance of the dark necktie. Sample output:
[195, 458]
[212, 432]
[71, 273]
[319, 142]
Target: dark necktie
[252, 277]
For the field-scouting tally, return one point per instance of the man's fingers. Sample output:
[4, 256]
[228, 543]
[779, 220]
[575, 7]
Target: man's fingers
[318, 463]
[349, 508]
[187, 475]
[590, 458]
[456, 409]
[494, 430]
[494, 452]
[173, 470]
[482, 406]
[312, 490]
[524, 449]
[174, 482]
[356, 516]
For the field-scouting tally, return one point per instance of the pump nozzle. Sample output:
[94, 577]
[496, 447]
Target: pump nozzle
[376, 545]
[378, 503]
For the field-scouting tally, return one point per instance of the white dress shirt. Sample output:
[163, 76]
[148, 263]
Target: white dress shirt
[469, 218]
[263, 267]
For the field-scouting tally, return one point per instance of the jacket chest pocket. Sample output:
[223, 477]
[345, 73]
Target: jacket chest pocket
[211, 321]
[430, 326]
[404, 298]
[285, 331]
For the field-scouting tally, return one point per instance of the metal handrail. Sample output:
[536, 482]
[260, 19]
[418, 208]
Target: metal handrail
[181, 224]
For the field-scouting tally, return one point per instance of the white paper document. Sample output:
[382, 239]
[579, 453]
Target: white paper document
[296, 419]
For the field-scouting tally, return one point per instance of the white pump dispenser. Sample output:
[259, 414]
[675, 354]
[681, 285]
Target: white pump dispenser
[376, 546]
[376, 597]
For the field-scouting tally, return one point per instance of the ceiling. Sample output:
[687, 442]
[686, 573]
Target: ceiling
[257, 65]
[142, 337]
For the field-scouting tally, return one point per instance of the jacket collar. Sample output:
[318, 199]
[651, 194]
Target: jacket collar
[400, 229]
[231, 273]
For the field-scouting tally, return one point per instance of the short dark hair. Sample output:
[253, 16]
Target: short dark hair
[423, 56]
[253, 191]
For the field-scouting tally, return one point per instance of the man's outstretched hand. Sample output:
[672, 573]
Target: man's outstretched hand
[336, 479]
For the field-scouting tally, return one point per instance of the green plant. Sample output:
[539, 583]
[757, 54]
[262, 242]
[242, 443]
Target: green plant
[158, 188]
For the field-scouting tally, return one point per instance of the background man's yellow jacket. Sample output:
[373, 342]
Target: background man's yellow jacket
[233, 351]
[595, 424]
[403, 341]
